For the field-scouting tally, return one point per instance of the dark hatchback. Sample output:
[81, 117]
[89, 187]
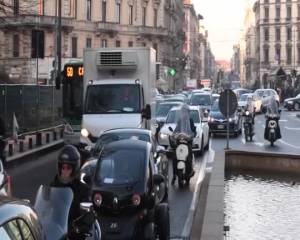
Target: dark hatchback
[18, 221]
[292, 103]
[123, 193]
[218, 123]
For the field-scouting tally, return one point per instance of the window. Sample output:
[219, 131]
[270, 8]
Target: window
[288, 33]
[104, 43]
[88, 10]
[278, 13]
[118, 43]
[288, 12]
[130, 44]
[10, 231]
[118, 13]
[104, 11]
[266, 13]
[277, 34]
[298, 11]
[16, 7]
[277, 1]
[155, 18]
[144, 16]
[266, 33]
[288, 55]
[37, 44]
[16, 45]
[130, 15]
[75, 9]
[25, 230]
[266, 1]
[144, 44]
[278, 54]
[266, 55]
[74, 47]
[88, 42]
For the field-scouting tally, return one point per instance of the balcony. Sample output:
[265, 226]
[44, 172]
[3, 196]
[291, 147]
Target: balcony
[35, 20]
[144, 31]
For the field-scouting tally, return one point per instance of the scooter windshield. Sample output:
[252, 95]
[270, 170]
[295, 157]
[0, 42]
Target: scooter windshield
[272, 107]
[53, 205]
[183, 124]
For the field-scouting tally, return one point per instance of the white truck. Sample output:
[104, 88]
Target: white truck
[118, 87]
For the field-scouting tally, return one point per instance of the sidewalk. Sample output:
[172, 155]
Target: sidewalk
[31, 144]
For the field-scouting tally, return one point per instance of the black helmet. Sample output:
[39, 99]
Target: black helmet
[69, 155]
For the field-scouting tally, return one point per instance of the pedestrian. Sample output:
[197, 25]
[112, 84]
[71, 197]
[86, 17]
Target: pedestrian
[2, 140]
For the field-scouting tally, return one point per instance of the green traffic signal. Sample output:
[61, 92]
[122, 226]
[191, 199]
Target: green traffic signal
[172, 72]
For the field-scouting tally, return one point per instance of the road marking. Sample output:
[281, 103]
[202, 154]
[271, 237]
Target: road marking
[186, 231]
[288, 144]
[294, 129]
[283, 120]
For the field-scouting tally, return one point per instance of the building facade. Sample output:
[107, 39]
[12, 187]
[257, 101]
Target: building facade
[277, 34]
[28, 34]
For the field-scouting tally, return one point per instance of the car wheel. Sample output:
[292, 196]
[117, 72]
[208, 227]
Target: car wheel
[297, 106]
[162, 220]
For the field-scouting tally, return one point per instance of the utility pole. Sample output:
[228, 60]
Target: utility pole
[58, 80]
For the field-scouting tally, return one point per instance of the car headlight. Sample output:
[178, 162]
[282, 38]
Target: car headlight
[85, 132]
[290, 102]
[211, 119]
[247, 113]
[163, 136]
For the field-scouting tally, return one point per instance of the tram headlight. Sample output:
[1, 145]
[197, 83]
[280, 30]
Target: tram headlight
[84, 132]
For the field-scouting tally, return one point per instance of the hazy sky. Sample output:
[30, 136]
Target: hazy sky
[224, 20]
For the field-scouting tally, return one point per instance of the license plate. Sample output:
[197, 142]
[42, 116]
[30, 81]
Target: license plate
[114, 227]
[221, 126]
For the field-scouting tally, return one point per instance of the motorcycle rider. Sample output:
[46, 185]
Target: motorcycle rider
[251, 109]
[185, 124]
[68, 166]
[273, 112]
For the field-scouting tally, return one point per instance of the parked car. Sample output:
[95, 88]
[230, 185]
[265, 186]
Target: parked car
[5, 181]
[218, 123]
[292, 103]
[113, 135]
[266, 95]
[200, 141]
[18, 220]
[123, 192]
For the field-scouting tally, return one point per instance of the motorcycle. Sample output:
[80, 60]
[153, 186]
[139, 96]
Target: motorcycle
[248, 126]
[272, 129]
[53, 205]
[181, 141]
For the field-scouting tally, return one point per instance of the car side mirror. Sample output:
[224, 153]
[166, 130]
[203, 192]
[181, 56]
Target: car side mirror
[87, 179]
[146, 112]
[158, 179]
[171, 129]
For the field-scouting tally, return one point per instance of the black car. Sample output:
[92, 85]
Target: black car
[123, 192]
[160, 160]
[218, 123]
[292, 103]
[18, 220]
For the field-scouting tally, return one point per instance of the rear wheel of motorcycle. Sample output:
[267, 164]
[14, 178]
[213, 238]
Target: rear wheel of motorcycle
[162, 220]
[180, 178]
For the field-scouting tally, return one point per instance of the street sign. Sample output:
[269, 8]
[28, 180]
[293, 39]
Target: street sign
[228, 102]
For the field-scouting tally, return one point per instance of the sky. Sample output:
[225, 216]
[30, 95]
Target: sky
[224, 21]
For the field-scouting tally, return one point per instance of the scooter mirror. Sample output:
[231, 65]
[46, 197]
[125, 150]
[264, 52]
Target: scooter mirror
[171, 129]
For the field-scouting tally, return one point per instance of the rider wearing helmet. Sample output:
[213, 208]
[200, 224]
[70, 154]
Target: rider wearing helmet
[68, 166]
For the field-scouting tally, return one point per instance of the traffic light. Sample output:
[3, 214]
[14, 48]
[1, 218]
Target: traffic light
[172, 72]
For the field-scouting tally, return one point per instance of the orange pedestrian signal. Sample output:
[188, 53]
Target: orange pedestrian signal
[80, 71]
[70, 72]
[73, 71]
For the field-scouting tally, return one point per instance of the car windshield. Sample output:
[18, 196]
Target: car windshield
[113, 137]
[215, 107]
[122, 166]
[203, 100]
[174, 115]
[260, 93]
[163, 109]
[113, 98]
[244, 97]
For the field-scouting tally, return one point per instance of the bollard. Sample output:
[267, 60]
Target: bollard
[39, 139]
[61, 133]
[54, 136]
[30, 143]
[47, 137]
[21, 146]
[10, 149]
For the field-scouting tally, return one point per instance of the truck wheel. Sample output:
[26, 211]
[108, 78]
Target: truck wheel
[162, 220]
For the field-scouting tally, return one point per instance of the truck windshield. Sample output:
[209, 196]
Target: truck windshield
[113, 98]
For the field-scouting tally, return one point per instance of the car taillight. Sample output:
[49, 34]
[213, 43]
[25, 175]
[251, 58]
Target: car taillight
[97, 199]
[136, 199]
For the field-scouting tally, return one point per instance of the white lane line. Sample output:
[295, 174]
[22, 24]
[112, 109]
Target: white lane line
[283, 120]
[288, 144]
[294, 129]
[189, 220]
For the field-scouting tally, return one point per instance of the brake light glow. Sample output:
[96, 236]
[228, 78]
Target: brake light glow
[97, 199]
[136, 199]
